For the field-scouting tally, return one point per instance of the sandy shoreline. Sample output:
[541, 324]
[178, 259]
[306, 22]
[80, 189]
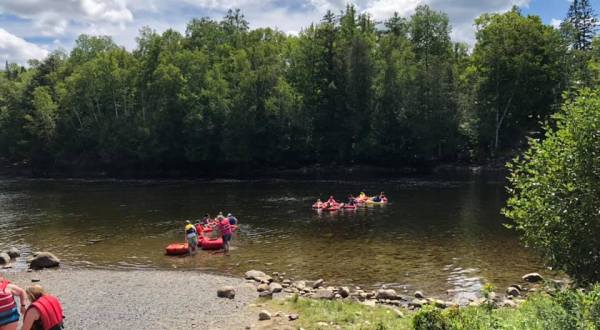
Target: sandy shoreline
[144, 299]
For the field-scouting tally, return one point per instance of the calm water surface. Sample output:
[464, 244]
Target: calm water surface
[434, 235]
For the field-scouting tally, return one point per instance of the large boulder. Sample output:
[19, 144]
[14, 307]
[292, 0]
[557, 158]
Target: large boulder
[4, 258]
[13, 252]
[43, 260]
[324, 294]
[532, 278]
[387, 294]
[226, 292]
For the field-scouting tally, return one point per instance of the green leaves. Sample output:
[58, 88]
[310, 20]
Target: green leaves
[555, 190]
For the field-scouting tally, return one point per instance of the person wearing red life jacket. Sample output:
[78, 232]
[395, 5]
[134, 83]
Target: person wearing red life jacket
[9, 311]
[225, 229]
[44, 312]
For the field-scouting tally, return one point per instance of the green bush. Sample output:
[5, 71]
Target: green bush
[429, 318]
[555, 190]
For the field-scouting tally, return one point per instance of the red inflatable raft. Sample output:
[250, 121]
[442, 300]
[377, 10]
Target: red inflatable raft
[176, 249]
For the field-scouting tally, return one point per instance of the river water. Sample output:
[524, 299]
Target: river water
[434, 235]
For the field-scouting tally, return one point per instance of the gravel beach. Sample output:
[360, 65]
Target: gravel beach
[153, 299]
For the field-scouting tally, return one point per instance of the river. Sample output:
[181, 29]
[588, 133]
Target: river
[434, 235]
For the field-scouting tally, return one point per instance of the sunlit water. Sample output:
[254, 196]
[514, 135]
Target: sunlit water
[434, 235]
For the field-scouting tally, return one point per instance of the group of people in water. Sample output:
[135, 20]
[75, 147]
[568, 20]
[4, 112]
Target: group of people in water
[352, 201]
[43, 312]
[223, 224]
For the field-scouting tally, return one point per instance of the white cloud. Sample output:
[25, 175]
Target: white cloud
[65, 19]
[52, 18]
[15, 49]
[556, 23]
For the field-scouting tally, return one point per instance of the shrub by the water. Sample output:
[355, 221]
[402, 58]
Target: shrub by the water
[555, 190]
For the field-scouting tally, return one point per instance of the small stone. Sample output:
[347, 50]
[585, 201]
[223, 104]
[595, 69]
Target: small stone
[316, 284]
[13, 252]
[264, 315]
[520, 288]
[532, 278]
[418, 303]
[387, 294]
[4, 258]
[419, 295]
[275, 287]
[34, 280]
[344, 292]
[266, 295]
[262, 287]
[300, 285]
[226, 292]
[324, 294]
[322, 324]
[293, 317]
[509, 303]
[512, 291]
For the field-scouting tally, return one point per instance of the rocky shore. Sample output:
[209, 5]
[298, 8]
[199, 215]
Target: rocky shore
[105, 299]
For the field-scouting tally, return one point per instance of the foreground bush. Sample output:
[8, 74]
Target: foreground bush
[555, 190]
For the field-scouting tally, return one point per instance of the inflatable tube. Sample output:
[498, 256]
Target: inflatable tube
[331, 209]
[176, 249]
[212, 243]
[349, 207]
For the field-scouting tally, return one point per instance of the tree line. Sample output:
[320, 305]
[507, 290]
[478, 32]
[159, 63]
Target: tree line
[345, 90]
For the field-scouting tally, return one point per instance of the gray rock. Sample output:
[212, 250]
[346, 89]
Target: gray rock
[532, 278]
[509, 303]
[293, 317]
[512, 291]
[344, 292]
[44, 260]
[417, 303]
[258, 276]
[266, 295]
[387, 294]
[419, 295]
[316, 284]
[13, 252]
[300, 285]
[264, 315]
[324, 294]
[226, 292]
[439, 303]
[262, 287]
[520, 288]
[4, 258]
[275, 287]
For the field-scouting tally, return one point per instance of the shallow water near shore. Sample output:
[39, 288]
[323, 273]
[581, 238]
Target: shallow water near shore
[435, 235]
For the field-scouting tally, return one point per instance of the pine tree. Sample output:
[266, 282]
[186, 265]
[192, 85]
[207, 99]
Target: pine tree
[584, 22]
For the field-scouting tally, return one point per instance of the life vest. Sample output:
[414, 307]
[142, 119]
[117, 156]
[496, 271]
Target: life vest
[199, 228]
[225, 226]
[7, 301]
[189, 229]
[51, 313]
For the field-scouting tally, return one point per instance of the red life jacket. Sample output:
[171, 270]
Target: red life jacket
[51, 313]
[225, 227]
[7, 301]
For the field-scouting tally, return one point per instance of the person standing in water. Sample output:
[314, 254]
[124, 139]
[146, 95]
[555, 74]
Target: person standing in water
[44, 312]
[9, 311]
[225, 229]
[191, 236]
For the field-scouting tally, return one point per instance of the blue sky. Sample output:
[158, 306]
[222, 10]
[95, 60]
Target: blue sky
[32, 28]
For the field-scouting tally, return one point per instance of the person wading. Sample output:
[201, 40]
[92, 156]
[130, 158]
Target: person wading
[191, 236]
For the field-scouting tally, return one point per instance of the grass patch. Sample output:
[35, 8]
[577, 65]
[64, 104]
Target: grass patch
[345, 314]
[569, 309]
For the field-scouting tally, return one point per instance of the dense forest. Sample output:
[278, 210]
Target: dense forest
[345, 90]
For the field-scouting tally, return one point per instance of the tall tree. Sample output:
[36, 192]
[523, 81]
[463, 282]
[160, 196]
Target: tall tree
[583, 20]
